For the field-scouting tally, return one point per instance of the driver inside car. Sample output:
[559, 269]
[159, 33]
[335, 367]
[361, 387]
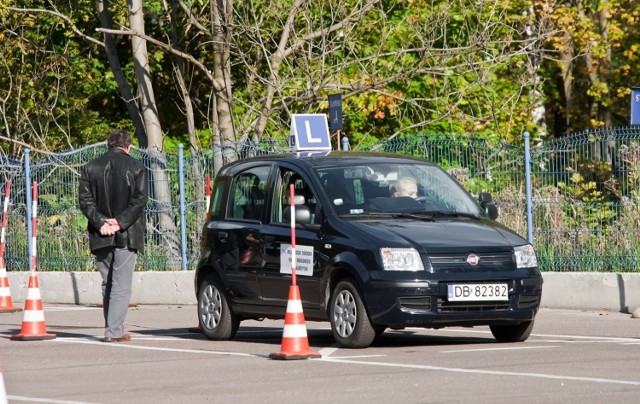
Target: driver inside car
[404, 186]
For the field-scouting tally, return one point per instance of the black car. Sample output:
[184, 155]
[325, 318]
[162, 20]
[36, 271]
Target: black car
[382, 241]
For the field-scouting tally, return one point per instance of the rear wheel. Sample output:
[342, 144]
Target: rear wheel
[216, 319]
[512, 333]
[349, 319]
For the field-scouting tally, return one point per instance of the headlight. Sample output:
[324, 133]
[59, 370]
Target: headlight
[401, 259]
[525, 256]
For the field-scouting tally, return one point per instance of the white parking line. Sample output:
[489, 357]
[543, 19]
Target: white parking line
[331, 350]
[328, 351]
[76, 308]
[563, 338]
[501, 349]
[129, 345]
[44, 400]
[484, 372]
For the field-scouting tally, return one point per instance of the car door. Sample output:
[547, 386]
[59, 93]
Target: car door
[238, 237]
[275, 278]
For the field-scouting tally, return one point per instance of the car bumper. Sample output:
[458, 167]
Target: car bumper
[399, 304]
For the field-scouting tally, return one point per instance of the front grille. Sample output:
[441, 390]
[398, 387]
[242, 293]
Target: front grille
[458, 262]
[415, 303]
[468, 307]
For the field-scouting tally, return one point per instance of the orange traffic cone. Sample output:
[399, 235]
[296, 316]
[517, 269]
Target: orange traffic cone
[294, 336]
[6, 305]
[33, 326]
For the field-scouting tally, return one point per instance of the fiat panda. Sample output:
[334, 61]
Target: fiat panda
[381, 242]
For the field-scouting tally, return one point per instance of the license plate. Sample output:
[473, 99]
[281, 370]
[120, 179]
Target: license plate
[477, 292]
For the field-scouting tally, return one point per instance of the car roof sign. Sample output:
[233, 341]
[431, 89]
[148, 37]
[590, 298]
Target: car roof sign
[309, 132]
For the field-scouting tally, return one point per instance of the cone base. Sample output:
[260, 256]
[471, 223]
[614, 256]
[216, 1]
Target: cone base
[294, 355]
[32, 337]
[11, 309]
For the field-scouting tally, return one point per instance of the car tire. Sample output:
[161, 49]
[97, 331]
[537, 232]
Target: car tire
[349, 319]
[216, 319]
[512, 333]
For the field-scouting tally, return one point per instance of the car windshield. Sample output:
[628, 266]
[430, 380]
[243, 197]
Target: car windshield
[383, 189]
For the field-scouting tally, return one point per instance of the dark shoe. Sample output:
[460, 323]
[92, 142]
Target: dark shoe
[124, 338]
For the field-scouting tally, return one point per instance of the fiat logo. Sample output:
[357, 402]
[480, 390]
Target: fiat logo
[473, 259]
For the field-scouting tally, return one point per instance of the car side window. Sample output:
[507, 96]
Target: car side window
[247, 197]
[216, 199]
[282, 193]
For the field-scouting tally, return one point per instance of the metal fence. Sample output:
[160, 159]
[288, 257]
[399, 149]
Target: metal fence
[585, 198]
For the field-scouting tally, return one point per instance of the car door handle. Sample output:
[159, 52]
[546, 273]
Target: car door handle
[223, 236]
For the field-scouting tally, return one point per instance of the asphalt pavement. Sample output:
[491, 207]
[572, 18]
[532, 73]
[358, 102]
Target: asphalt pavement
[572, 356]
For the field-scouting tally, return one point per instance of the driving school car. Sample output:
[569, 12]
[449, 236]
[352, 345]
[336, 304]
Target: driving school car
[368, 256]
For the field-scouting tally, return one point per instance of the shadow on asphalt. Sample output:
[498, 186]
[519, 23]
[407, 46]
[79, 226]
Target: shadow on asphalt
[324, 338]
[273, 335]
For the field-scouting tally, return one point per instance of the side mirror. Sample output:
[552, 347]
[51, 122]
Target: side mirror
[486, 201]
[485, 197]
[303, 213]
[297, 200]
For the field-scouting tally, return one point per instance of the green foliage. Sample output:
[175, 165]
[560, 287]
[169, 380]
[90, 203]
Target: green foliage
[52, 80]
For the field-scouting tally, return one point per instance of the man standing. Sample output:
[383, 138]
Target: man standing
[112, 195]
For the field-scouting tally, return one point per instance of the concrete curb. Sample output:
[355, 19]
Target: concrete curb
[618, 292]
[171, 287]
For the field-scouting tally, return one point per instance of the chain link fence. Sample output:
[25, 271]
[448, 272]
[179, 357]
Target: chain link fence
[585, 197]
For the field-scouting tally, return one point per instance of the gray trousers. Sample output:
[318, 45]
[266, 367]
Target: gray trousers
[116, 267]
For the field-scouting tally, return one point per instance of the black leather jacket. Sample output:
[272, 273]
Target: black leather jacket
[114, 186]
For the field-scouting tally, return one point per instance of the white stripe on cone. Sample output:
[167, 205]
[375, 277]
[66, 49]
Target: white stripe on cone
[294, 306]
[33, 294]
[33, 316]
[294, 331]
[5, 291]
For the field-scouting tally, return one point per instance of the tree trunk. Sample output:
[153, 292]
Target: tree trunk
[161, 194]
[224, 132]
[116, 68]
[188, 104]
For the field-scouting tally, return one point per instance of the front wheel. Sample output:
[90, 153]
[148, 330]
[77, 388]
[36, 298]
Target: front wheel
[349, 319]
[512, 333]
[216, 319]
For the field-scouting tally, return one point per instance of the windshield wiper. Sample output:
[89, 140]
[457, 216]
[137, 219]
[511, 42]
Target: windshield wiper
[416, 215]
[450, 213]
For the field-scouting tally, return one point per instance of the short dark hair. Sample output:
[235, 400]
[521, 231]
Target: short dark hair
[119, 138]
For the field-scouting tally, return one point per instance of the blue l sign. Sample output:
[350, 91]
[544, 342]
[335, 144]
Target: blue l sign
[635, 106]
[309, 132]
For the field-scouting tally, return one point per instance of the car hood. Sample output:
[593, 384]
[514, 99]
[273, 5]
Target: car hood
[442, 236]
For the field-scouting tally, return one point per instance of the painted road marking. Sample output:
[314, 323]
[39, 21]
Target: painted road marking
[563, 338]
[75, 308]
[44, 400]
[359, 362]
[484, 372]
[129, 345]
[501, 349]
[328, 351]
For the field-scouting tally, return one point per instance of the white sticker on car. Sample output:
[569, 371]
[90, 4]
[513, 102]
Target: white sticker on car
[304, 259]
